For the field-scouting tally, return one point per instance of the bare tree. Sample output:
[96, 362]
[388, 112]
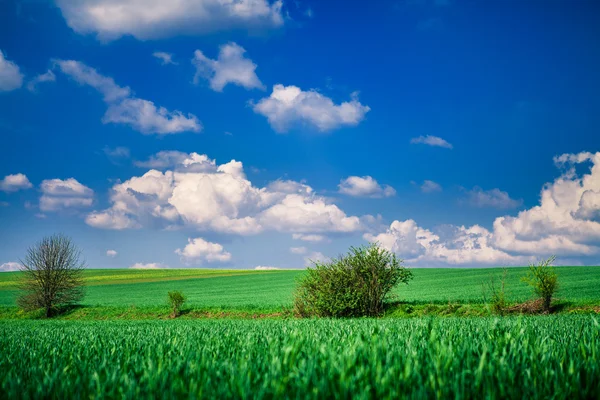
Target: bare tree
[52, 275]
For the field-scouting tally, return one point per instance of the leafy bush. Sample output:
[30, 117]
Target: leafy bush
[354, 285]
[544, 281]
[176, 300]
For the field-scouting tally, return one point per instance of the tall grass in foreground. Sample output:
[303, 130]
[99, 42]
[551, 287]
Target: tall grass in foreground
[527, 357]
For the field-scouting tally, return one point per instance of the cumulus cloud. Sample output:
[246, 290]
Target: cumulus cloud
[495, 198]
[431, 141]
[58, 194]
[430, 187]
[289, 187]
[303, 214]
[290, 106]
[231, 66]
[145, 117]
[564, 223]
[199, 250]
[123, 108]
[111, 253]
[365, 186]
[298, 250]
[16, 182]
[194, 191]
[41, 78]
[111, 219]
[10, 267]
[165, 58]
[462, 245]
[11, 77]
[192, 162]
[155, 19]
[148, 266]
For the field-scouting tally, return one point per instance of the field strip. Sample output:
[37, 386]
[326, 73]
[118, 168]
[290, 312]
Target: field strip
[165, 278]
[126, 280]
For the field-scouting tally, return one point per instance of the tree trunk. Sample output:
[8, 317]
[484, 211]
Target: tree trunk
[48, 312]
[547, 302]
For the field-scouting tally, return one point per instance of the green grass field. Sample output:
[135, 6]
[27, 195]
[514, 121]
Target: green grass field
[121, 343]
[270, 290]
[513, 357]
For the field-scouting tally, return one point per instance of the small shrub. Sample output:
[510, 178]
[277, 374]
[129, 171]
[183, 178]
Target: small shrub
[498, 301]
[354, 285]
[544, 281]
[176, 300]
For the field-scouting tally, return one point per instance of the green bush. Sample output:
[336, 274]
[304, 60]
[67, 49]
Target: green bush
[544, 281]
[176, 300]
[354, 285]
[498, 298]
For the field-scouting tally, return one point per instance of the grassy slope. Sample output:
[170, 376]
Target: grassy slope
[269, 290]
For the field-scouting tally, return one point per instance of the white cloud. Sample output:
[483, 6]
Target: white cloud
[495, 198]
[68, 187]
[199, 250]
[85, 75]
[154, 19]
[111, 219]
[309, 237]
[289, 106]
[289, 187]
[111, 253]
[16, 182]
[462, 246]
[165, 58]
[564, 223]
[60, 194]
[198, 193]
[303, 214]
[10, 267]
[298, 250]
[264, 268]
[431, 141]
[365, 186]
[192, 162]
[430, 187]
[230, 67]
[123, 108]
[149, 266]
[11, 77]
[315, 257]
[145, 117]
[41, 78]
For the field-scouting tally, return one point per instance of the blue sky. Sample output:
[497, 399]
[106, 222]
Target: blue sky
[454, 133]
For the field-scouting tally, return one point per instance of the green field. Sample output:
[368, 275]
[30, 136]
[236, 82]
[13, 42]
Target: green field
[270, 290]
[512, 357]
[121, 343]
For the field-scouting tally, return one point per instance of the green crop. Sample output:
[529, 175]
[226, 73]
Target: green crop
[512, 357]
[269, 290]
